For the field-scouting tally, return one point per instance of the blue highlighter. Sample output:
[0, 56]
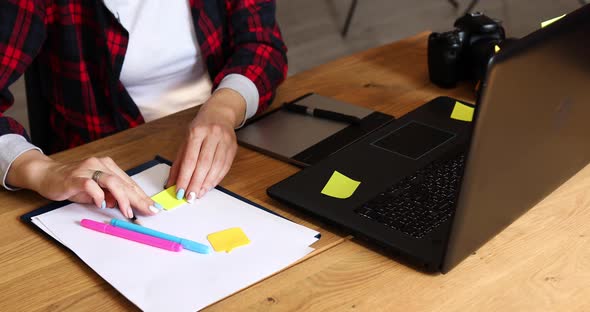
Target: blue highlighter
[186, 244]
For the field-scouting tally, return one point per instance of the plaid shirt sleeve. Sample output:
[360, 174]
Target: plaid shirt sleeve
[259, 52]
[22, 32]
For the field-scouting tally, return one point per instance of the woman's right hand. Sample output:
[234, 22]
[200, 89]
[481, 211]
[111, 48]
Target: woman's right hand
[73, 181]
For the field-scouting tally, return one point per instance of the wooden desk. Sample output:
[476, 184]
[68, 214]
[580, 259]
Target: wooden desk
[540, 263]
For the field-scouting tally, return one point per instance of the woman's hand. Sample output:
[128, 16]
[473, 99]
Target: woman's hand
[74, 182]
[208, 151]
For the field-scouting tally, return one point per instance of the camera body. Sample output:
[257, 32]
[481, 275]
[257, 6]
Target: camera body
[463, 53]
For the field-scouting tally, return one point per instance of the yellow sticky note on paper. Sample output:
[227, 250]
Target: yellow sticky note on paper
[229, 239]
[167, 198]
[340, 186]
[462, 112]
[551, 21]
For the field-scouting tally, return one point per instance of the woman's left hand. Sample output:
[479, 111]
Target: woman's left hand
[208, 151]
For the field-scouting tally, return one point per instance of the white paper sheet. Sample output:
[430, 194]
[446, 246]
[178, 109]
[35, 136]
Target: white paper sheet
[160, 280]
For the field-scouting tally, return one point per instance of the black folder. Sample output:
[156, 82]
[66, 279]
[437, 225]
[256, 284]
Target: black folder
[28, 217]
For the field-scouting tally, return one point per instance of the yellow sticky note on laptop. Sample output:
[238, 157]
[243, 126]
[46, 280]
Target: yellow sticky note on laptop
[462, 112]
[167, 198]
[340, 186]
[229, 239]
[551, 21]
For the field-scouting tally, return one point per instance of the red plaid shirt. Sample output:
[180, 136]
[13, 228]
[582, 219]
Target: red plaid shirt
[79, 47]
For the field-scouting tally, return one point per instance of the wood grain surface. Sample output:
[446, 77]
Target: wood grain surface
[539, 263]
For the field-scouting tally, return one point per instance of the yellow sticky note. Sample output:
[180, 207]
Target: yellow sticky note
[229, 239]
[551, 21]
[340, 186]
[167, 198]
[462, 112]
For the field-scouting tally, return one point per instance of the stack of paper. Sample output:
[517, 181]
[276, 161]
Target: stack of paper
[160, 280]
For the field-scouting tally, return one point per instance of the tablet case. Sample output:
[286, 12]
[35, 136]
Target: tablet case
[304, 140]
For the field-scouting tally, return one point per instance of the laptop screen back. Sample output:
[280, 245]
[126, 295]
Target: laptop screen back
[531, 132]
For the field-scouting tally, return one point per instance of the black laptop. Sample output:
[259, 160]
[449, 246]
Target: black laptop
[434, 189]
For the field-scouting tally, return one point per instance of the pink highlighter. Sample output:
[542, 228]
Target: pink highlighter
[130, 235]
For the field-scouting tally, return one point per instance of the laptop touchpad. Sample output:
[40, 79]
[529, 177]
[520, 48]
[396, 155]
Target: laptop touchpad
[413, 140]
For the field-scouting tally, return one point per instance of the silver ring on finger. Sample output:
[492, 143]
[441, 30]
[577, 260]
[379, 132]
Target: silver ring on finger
[96, 176]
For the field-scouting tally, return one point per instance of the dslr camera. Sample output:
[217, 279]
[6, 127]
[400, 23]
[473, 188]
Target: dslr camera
[463, 53]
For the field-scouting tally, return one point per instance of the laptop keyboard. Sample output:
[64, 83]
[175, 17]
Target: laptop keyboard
[418, 203]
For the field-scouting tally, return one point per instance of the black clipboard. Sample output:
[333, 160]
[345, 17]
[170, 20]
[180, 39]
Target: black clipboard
[28, 217]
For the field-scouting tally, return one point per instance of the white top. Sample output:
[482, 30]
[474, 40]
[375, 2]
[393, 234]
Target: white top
[163, 70]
